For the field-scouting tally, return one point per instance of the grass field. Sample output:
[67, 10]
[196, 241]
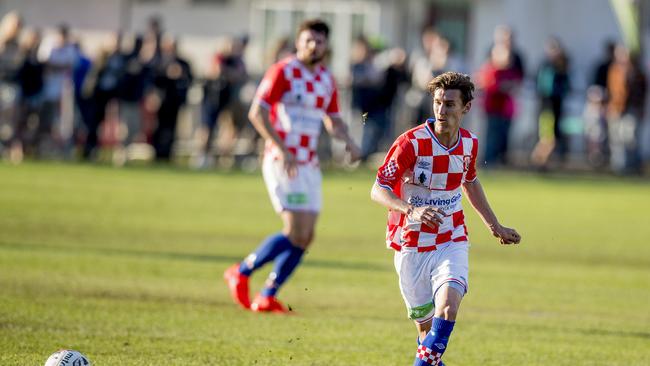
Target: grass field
[125, 265]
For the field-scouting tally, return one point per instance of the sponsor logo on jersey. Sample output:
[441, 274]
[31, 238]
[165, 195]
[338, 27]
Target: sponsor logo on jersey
[418, 201]
[423, 164]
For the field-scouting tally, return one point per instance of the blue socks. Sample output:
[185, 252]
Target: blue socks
[266, 252]
[285, 263]
[435, 343]
[287, 257]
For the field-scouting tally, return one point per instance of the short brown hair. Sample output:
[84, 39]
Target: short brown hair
[453, 80]
[315, 25]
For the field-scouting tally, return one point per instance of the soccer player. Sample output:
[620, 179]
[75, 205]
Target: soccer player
[420, 182]
[296, 96]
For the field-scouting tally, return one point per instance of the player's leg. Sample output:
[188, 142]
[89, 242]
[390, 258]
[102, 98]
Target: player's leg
[300, 203]
[449, 281]
[414, 271]
[299, 229]
[237, 275]
[268, 250]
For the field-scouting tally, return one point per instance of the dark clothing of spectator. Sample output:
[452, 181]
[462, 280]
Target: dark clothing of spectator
[368, 98]
[82, 98]
[173, 80]
[552, 89]
[9, 60]
[30, 76]
[600, 74]
[132, 92]
[134, 79]
[30, 81]
[216, 96]
[107, 88]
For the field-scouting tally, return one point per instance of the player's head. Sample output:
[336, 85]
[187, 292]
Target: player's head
[312, 41]
[452, 99]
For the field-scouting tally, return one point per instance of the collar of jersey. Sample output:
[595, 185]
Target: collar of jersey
[304, 68]
[430, 121]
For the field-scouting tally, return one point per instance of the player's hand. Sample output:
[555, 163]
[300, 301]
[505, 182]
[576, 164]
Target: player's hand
[428, 215]
[354, 150]
[505, 235]
[290, 164]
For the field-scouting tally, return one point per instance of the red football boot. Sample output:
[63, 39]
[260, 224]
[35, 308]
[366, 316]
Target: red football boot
[238, 285]
[269, 304]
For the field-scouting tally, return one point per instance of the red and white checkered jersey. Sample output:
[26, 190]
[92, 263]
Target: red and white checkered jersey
[297, 99]
[423, 172]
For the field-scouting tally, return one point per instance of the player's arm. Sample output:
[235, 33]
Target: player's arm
[401, 158]
[476, 196]
[259, 117]
[428, 215]
[339, 130]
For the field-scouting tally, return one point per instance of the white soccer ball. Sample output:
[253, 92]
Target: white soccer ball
[66, 357]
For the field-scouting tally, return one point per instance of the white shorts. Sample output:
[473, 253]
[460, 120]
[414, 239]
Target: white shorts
[302, 193]
[422, 274]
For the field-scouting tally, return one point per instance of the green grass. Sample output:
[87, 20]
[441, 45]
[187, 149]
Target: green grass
[125, 265]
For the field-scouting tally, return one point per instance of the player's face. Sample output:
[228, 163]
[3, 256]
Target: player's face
[448, 108]
[311, 47]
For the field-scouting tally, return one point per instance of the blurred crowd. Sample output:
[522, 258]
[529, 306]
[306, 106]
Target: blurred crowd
[612, 117]
[57, 102]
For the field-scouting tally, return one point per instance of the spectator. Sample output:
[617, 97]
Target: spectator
[173, 79]
[366, 85]
[237, 78]
[150, 61]
[439, 58]
[217, 93]
[58, 88]
[627, 86]
[10, 28]
[503, 35]
[132, 91]
[602, 68]
[107, 77]
[443, 59]
[552, 84]
[498, 78]
[596, 135]
[30, 82]
[595, 113]
[420, 68]
[395, 78]
[84, 112]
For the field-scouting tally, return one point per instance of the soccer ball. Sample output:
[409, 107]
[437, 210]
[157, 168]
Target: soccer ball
[66, 357]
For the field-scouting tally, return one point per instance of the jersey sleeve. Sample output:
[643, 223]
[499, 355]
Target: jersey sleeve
[272, 87]
[399, 160]
[333, 107]
[471, 170]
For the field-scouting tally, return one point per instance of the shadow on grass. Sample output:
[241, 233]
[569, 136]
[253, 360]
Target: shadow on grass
[200, 257]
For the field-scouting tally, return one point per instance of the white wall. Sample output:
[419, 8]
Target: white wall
[197, 20]
[582, 26]
[83, 14]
